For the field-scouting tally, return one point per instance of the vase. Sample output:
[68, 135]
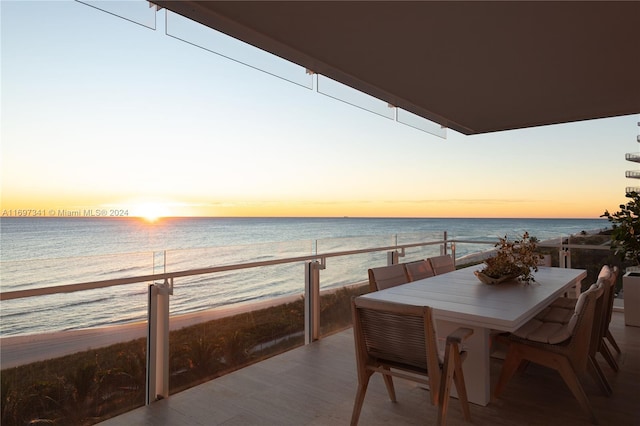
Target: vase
[486, 279]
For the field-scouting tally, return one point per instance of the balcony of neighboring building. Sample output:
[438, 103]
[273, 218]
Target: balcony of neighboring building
[633, 156]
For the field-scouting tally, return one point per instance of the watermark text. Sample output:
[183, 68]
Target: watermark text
[49, 212]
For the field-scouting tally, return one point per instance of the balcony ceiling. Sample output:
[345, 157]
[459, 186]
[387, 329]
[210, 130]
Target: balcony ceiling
[474, 67]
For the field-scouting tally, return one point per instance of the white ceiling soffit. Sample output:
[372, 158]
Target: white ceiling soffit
[474, 67]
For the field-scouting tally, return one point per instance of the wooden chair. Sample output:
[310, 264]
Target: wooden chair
[399, 340]
[604, 311]
[596, 344]
[563, 347]
[607, 311]
[418, 270]
[442, 264]
[387, 276]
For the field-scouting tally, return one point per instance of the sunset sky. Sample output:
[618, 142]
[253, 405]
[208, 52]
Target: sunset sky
[101, 114]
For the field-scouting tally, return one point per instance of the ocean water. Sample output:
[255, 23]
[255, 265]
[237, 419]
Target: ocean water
[43, 252]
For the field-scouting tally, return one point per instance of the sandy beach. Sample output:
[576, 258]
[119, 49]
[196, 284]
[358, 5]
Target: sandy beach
[20, 350]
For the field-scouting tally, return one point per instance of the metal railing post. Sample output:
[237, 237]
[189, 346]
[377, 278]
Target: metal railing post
[565, 256]
[443, 247]
[453, 253]
[157, 386]
[311, 301]
[561, 258]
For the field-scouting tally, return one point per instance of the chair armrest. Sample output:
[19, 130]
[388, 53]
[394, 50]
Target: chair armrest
[459, 335]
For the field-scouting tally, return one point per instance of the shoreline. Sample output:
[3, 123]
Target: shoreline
[20, 350]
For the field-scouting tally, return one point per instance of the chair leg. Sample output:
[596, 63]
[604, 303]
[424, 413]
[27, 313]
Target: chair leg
[608, 356]
[522, 367]
[452, 370]
[509, 366]
[357, 405]
[571, 379]
[598, 375]
[458, 377]
[611, 340]
[445, 385]
[388, 382]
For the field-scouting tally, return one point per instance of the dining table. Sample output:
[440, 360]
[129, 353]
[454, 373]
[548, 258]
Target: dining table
[459, 299]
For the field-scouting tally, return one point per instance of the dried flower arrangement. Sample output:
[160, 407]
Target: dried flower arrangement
[513, 259]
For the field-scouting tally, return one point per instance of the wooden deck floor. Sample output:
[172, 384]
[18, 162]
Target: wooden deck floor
[315, 385]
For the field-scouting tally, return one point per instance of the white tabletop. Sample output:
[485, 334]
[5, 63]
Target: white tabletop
[460, 297]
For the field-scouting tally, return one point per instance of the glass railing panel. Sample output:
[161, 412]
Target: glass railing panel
[470, 249]
[421, 252]
[205, 257]
[83, 374]
[333, 245]
[552, 245]
[136, 11]
[199, 35]
[346, 276]
[210, 343]
[342, 278]
[421, 123]
[73, 311]
[226, 320]
[594, 257]
[46, 340]
[335, 307]
[469, 253]
[60, 312]
[347, 270]
[194, 293]
[351, 96]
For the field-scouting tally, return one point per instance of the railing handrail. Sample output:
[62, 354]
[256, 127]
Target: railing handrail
[92, 285]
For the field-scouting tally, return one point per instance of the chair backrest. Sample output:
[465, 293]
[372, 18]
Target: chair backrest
[605, 309]
[584, 324]
[599, 314]
[387, 276]
[442, 264]
[610, 297]
[419, 270]
[395, 335]
[574, 335]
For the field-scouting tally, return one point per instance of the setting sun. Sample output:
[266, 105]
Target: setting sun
[150, 211]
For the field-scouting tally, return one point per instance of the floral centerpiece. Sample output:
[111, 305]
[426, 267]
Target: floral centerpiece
[513, 259]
